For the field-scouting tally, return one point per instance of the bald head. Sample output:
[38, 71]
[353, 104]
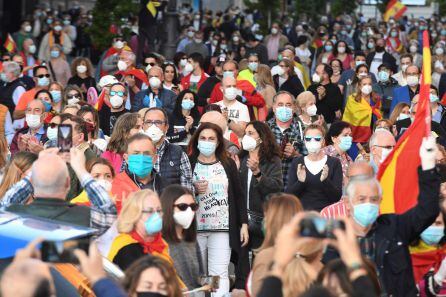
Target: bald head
[228, 82]
[33, 275]
[359, 168]
[50, 177]
[216, 118]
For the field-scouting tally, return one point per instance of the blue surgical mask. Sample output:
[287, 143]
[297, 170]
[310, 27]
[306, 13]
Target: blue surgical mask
[207, 148]
[47, 106]
[383, 76]
[432, 235]
[346, 143]
[328, 48]
[57, 96]
[140, 165]
[43, 81]
[3, 77]
[228, 74]
[433, 98]
[154, 224]
[370, 45]
[187, 104]
[55, 54]
[284, 114]
[443, 32]
[365, 214]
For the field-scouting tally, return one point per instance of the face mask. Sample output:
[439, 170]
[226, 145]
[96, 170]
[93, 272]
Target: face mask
[116, 101]
[404, 67]
[366, 90]
[346, 143]
[154, 82]
[57, 96]
[154, 224]
[183, 62]
[439, 51]
[394, 34]
[32, 49]
[433, 98]
[230, 93]
[316, 78]
[412, 80]
[198, 40]
[187, 104]
[206, 148]
[253, 66]
[43, 81]
[224, 46]
[58, 28]
[228, 74]
[190, 34]
[235, 39]
[384, 153]
[47, 106]
[383, 76]
[365, 214]
[280, 71]
[49, 21]
[413, 49]
[249, 143]
[66, 22]
[422, 28]
[73, 101]
[313, 146]
[33, 121]
[122, 66]
[119, 44]
[105, 184]
[184, 218]
[274, 31]
[341, 49]
[370, 45]
[81, 69]
[154, 133]
[432, 235]
[55, 54]
[214, 42]
[284, 114]
[312, 110]
[28, 28]
[149, 294]
[328, 48]
[140, 165]
[358, 63]
[51, 133]
[3, 77]
[403, 116]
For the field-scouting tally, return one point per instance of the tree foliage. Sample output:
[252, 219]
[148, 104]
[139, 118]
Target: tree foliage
[267, 8]
[339, 7]
[310, 9]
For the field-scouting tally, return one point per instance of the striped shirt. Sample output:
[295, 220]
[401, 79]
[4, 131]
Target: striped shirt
[334, 210]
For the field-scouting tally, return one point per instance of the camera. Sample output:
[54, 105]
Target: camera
[318, 227]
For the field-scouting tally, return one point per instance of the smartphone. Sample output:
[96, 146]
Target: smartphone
[63, 251]
[212, 281]
[318, 227]
[64, 138]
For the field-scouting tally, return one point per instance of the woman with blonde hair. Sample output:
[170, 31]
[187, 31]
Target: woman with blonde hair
[265, 84]
[278, 210]
[4, 152]
[400, 112]
[16, 170]
[306, 102]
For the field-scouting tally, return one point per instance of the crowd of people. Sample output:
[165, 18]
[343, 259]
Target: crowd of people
[199, 173]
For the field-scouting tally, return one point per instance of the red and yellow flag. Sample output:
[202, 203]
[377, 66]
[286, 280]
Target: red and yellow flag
[394, 9]
[398, 174]
[9, 44]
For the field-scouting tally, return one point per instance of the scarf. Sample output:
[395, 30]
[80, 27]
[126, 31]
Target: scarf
[157, 245]
[51, 39]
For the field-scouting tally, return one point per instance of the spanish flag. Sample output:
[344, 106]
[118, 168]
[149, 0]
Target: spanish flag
[398, 174]
[394, 9]
[151, 6]
[9, 44]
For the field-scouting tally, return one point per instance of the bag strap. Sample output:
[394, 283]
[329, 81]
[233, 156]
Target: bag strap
[52, 71]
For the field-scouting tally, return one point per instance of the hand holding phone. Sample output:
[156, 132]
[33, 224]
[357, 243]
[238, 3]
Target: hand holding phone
[64, 138]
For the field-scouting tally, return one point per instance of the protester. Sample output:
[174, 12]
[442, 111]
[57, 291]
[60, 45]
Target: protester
[286, 79]
[171, 77]
[406, 93]
[82, 75]
[58, 65]
[19, 166]
[56, 91]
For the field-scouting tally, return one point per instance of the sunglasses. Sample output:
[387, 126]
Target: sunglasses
[70, 96]
[119, 93]
[43, 75]
[151, 64]
[316, 138]
[185, 206]
[53, 125]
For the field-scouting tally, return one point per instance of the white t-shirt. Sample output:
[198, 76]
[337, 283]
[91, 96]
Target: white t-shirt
[377, 60]
[315, 166]
[237, 112]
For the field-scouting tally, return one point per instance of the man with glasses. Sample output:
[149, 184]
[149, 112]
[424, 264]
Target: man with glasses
[42, 81]
[110, 113]
[139, 170]
[27, 81]
[407, 93]
[381, 143]
[172, 162]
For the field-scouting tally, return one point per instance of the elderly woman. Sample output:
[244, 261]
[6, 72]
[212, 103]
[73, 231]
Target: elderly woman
[306, 101]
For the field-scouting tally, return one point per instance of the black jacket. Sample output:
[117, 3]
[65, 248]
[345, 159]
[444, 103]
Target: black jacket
[205, 90]
[387, 59]
[292, 85]
[442, 86]
[328, 105]
[393, 233]
[237, 205]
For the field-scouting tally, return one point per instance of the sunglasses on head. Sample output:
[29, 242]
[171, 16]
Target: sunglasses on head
[43, 75]
[77, 96]
[316, 138]
[119, 93]
[185, 206]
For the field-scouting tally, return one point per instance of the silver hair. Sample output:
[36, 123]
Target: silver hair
[293, 99]
[361, 180]
[374, 138]
[132, 57]
[12, 67]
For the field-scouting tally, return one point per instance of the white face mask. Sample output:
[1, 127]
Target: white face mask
[81, 69]
[51, 133]
[439, 51]
[116, 101]
[413, 49]
[384, 153]
[28, 28]
[119, 44]
[316, 78]
[313, 146]
[366, 90]
[32, 49]
[105, 184]
[184, 218]
[33, 121]
[404, 67]
[341, 49]
[188, 67]
[412, 80]
[249, 143]
[312, 110]
[154, 133]
[183, 62]
[73, 101]
[122, 66]
[230, 93]
[274, 31]
[154, 82]
[280, 71]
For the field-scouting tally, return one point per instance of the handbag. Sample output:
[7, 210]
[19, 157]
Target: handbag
[255, 222]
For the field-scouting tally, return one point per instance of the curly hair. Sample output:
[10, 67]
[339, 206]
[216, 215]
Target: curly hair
[268, 148]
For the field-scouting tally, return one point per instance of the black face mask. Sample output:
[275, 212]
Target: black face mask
[379, 49]
[149, 294]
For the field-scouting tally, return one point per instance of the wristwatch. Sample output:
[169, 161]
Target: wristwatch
[258, 174]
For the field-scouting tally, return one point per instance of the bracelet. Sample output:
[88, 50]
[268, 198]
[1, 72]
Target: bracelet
[258, 174]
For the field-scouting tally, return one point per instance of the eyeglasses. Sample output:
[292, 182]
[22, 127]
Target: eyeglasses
[43, 75]
[70, 96]
[157, 123]
[151, 211]
[316, 138]
[119, 93]
[389, 147]
[151, 64]
[184, 206]
[53, 125]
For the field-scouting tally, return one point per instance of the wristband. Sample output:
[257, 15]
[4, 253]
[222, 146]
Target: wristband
[258, 174]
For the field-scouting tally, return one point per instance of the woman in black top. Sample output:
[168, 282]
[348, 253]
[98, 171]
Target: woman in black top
[184, 118]
[317, 178]
[82, 72]
[286, 79]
